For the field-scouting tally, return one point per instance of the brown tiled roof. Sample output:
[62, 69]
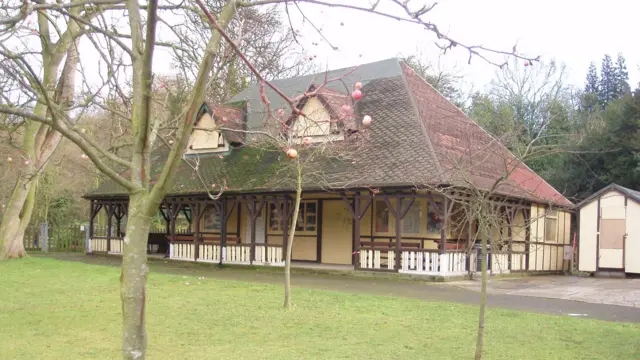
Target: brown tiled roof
[417, 137]
[467, 154]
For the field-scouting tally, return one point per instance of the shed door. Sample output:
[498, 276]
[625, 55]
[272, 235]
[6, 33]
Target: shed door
[612, 237]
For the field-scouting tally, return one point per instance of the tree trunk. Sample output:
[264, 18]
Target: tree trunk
[292, 232]
[133, 278]
[483, 295]
[15, 220]
[39, 143]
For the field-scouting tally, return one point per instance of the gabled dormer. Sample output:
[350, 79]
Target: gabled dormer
[325, 117]
[217, 129]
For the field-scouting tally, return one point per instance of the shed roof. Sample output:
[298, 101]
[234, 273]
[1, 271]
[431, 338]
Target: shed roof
[633, 194]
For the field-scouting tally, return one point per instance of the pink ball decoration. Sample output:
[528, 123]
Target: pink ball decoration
[292, 153]
[356, 94]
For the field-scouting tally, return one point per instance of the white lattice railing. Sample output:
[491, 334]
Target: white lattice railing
[116, 246]
[181, 251]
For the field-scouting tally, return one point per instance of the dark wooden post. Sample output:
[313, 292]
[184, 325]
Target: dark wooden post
[510, 216]
[254, 210]
[253, 214]
[527, 236]
[443, 227]
[118, 218]
[398, 218]
[356, 230]
[196, 214]
[468, 248]
[174, 211]
[223, 228]
[167, 219]
[285, 225]
[91, 218]
[109, 210]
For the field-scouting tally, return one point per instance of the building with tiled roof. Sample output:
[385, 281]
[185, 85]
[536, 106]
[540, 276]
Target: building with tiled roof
[418, 142]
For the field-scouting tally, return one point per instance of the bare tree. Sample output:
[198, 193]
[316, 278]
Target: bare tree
[321, 128]
[488, 202]
[39, 141]
[123, 35]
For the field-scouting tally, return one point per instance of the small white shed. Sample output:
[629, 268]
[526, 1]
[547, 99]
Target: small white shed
[609, 231]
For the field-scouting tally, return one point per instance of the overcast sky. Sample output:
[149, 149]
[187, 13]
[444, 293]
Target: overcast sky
[571, 31]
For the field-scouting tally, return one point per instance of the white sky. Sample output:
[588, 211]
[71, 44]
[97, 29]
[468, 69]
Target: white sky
[572, 32]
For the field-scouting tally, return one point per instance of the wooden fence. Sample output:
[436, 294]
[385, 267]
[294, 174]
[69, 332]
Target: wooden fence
[42, 237]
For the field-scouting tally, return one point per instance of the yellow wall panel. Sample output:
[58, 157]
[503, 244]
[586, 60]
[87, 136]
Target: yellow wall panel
[336, 233]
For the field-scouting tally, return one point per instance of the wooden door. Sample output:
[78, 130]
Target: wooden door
[612, 237]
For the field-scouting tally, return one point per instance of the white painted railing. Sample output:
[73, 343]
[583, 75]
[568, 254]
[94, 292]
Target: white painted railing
[370, 259]
[499, 263]
[116, 246]
[457, 262]
[98, 245]
[269, 255]
[412, 261]
[239, 254]
[181, 251]
[209, 253]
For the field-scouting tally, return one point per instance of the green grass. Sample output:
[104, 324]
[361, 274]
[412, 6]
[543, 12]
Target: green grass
[51, 309]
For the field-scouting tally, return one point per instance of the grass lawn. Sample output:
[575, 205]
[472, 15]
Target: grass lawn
[51, 309]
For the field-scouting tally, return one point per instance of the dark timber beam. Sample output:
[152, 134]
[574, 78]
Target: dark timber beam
[254, 208]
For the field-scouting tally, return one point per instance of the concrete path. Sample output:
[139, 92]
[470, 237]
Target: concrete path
[464, 293]
[611, 291]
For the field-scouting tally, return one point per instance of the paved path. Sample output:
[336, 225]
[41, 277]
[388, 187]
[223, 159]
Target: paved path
[611, 291]
[461, 293]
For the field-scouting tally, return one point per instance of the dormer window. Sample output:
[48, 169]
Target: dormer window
[317, 123]
[205, 138]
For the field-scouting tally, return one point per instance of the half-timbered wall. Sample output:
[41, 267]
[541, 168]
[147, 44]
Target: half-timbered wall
[550, 232]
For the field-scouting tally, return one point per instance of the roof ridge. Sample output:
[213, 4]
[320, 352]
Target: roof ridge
[423, 126]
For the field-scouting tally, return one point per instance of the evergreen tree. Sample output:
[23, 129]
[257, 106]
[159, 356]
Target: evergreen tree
[622, 77]
[608, 81]
[591, 84]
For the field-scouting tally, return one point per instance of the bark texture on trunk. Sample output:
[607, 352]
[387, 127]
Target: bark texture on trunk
[14, 221]
[39, 144]
[483, 295]
[292, 232]
[133, 279]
